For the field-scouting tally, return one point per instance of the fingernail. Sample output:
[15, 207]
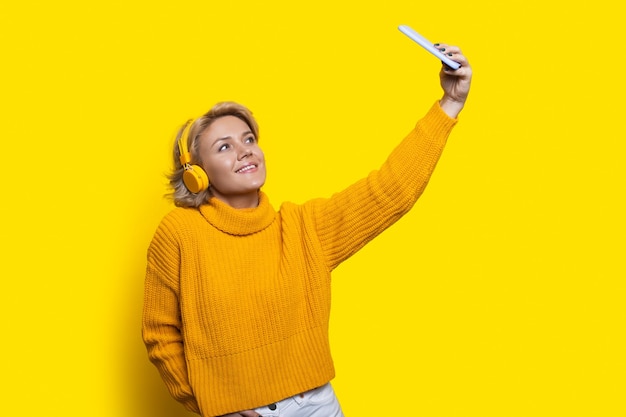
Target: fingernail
[437, 44]
[442, 49]
[449, 54]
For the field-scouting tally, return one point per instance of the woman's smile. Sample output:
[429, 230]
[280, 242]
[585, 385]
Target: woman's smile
[247, 168]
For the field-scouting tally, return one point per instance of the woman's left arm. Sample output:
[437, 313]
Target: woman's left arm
[349, 219]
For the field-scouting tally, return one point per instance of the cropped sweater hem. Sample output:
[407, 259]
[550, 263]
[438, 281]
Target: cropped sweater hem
[217, 380]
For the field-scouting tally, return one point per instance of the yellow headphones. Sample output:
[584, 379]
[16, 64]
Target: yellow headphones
[194, 177]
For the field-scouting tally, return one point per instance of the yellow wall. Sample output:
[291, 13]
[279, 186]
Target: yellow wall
[500, 294]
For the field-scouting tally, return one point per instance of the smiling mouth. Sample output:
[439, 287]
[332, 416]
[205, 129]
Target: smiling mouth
[245, 169]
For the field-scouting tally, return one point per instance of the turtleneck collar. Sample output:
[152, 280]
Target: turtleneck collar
[239, 222]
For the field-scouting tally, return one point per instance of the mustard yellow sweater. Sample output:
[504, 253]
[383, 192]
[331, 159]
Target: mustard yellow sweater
[237, 302]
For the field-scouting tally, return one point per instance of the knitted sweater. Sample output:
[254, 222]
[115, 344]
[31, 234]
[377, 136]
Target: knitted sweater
[237, 301]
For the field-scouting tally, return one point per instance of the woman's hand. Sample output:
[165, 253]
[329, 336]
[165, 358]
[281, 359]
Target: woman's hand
[247, 413]
[455, 83]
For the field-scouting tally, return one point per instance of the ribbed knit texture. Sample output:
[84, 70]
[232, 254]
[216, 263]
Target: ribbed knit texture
[237, 302]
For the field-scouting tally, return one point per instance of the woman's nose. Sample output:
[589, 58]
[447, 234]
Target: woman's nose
[244, 153]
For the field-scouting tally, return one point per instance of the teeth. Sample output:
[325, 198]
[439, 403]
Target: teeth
[246, 168]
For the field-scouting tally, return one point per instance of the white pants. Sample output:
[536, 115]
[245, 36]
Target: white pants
[319, 402]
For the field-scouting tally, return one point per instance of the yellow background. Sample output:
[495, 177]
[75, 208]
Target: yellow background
[500, 294]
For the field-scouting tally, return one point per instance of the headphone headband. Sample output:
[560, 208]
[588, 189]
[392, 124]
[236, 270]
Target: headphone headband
[183, 143]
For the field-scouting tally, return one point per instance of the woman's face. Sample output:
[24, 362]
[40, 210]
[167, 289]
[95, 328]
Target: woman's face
[233, 161]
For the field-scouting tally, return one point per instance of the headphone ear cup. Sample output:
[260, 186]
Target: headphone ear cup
[195, 179]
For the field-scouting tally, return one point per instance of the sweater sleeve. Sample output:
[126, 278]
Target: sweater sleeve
[161, 324]
[349, 219]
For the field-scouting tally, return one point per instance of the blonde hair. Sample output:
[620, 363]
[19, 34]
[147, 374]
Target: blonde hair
[179, 193]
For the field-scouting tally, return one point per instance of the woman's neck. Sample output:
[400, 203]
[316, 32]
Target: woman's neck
[243, 201]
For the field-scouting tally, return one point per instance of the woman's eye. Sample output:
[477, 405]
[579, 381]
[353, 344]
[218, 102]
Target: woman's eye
[250, 139]
[222, 148]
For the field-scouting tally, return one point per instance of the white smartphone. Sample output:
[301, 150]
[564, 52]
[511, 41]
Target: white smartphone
[423, 42]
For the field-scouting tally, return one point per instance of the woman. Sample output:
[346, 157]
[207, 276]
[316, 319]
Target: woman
[237, 295]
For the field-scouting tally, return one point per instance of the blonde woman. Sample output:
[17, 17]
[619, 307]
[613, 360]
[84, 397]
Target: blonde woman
[237, 294]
